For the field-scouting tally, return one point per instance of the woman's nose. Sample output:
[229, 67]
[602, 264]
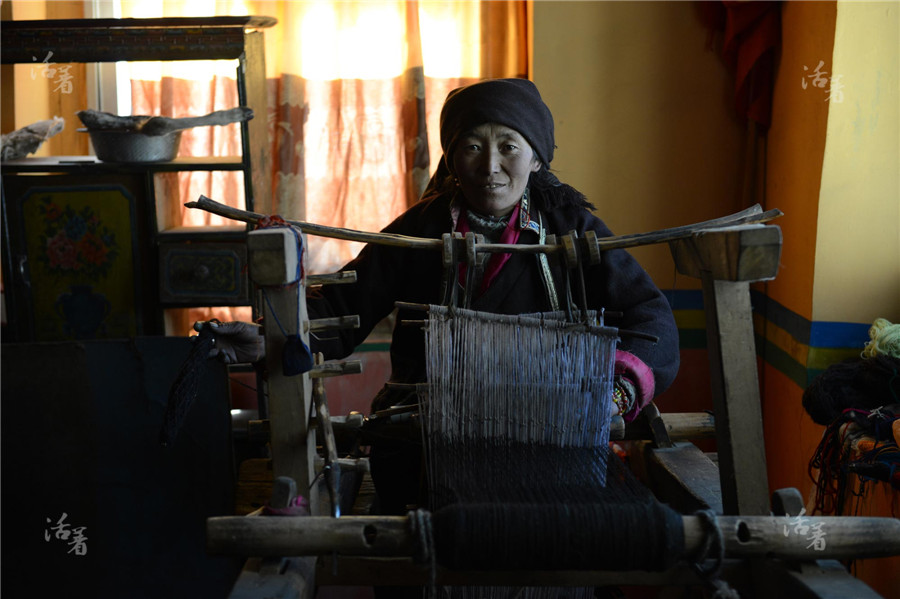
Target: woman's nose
[490, 161]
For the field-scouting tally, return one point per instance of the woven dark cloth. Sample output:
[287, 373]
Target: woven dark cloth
[512, 506]
[515, 103]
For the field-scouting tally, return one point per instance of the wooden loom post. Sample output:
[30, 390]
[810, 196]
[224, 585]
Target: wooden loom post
[726, 261]
[274, 258]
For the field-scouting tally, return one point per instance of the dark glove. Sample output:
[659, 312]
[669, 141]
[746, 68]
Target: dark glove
[234, 342]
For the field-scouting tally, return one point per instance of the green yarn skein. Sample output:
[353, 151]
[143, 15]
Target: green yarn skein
[885, 339]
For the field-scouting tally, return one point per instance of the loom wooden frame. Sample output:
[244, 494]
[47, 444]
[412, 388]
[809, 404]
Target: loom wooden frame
[726, 258]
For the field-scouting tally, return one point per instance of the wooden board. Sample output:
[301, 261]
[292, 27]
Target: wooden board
[684, 477]
[742, 253]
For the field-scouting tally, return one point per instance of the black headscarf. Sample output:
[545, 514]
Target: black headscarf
[514, 103]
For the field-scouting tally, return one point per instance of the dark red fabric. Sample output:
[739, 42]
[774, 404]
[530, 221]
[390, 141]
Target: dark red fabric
[751, 33]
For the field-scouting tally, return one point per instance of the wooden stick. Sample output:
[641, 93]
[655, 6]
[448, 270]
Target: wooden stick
[205, 203]
[333, 323]
[752, 215]
[525, 321]
[346, 464]
[845, 537]
[329, 369]
[842, 537]
[331, 468]
[511, 318]
[334, 278]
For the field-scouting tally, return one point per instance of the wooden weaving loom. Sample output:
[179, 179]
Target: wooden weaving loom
[293, 555]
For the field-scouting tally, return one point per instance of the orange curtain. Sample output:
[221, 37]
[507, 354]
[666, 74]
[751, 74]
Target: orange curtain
[354, 96]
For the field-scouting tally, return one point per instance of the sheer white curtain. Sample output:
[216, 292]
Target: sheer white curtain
[354, 95]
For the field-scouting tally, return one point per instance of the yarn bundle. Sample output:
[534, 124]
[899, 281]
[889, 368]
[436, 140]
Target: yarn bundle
[858, 401]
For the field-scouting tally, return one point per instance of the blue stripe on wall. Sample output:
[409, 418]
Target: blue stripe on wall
[839, 334]
[821, 334]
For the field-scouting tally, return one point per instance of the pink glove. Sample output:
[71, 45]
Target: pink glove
[633, 377]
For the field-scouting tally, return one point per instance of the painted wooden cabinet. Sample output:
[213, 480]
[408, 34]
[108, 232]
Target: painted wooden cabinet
[85, 253]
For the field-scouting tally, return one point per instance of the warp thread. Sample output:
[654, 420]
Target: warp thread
[517, 378]
[516, 427]
[184, 388]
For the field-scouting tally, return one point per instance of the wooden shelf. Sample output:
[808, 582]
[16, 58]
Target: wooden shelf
[111, 40]
[193, 266]
[84, 164]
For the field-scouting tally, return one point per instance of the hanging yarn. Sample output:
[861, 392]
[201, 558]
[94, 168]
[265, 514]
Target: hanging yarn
[296, 357]
[859, 442]
[884, 339]
[184, 388]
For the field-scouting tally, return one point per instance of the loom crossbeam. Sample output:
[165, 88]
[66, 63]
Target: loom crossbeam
[846, 537]
[752, 215]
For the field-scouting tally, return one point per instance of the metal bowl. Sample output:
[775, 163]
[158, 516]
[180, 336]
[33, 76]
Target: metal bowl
[133, 146]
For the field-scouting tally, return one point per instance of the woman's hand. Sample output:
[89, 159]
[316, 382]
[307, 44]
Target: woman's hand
[624, 396]
[234, 342]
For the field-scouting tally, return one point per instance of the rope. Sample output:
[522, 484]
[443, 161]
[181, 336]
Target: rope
[713, 548]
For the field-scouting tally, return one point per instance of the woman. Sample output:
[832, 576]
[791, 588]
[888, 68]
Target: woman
[494, 178]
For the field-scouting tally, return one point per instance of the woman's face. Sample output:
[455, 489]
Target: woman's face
[492, 163]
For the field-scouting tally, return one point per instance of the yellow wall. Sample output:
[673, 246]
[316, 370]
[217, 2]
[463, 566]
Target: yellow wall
[857, 276]
[644, 125]
[857, 265]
